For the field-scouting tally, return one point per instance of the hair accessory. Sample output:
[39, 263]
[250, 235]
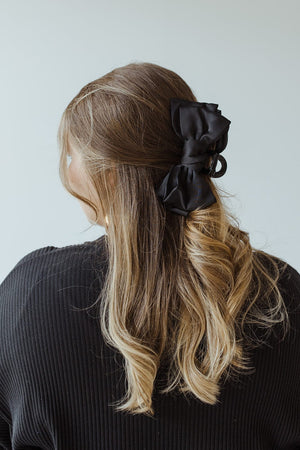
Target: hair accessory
[199, 126]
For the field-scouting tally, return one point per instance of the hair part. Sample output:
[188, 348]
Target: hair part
[185, 291]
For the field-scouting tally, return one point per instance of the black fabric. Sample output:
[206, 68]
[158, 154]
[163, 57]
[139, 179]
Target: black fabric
[58, 378]
[198, 125]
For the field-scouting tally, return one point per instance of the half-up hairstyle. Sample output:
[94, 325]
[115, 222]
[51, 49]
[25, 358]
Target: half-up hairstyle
[183, 290]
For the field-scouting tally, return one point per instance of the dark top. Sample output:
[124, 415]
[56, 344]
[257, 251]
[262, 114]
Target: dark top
[57, 377]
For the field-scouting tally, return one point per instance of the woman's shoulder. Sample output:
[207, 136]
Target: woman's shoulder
[288, 283]
[50, 252]
[40, 306]
[289, 277]
[50, 263]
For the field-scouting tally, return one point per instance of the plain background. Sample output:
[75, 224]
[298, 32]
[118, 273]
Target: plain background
[242, 55]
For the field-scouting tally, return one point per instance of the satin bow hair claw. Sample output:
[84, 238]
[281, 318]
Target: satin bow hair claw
[200, 126]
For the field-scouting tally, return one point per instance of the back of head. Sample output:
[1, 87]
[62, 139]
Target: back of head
[178, 289]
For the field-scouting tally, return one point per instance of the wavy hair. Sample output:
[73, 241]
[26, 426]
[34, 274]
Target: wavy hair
[184, 291]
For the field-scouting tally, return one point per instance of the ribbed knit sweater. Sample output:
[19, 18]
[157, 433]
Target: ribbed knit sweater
[58, 378]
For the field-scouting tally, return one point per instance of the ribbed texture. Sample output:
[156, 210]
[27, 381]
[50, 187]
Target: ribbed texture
[57, 377]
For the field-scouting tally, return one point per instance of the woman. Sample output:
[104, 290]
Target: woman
[170, 331]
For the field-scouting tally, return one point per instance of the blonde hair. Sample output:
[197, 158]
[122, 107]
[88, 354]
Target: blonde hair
[179, 290]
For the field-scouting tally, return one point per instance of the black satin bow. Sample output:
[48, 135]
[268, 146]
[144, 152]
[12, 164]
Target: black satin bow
[199, 125]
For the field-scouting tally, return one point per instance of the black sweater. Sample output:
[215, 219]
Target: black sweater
[57, 377]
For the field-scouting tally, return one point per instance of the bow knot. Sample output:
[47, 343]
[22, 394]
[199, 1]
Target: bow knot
[199, 126]
[194, 153]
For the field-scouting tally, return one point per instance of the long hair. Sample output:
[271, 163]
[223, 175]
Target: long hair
[183, 290]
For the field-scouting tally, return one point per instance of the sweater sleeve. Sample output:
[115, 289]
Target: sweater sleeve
[14, 293]
[36, 309]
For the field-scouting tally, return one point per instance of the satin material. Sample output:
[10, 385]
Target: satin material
[199, 126]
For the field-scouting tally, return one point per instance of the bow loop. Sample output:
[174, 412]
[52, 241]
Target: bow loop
[199, 121]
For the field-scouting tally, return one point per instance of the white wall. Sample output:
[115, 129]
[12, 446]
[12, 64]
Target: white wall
[242, 55]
